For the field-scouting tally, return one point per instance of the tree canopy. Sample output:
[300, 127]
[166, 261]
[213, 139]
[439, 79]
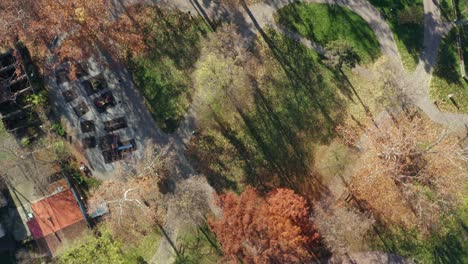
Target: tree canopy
[271, 229]
[101, 249]
[69, 29]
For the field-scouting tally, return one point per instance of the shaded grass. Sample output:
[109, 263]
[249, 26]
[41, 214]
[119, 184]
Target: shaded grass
[324, 23]
[447, 78]
[447, 243]
[406, 19]
[163, 74]
[462, 9]
[446, 10]
[198, 245]
[144, 250]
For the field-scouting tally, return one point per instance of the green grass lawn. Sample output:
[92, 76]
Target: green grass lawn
[163, 74]
[406, 19]
[447, 78]
[323, 23]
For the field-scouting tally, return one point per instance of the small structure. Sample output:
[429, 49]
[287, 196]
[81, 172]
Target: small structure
[15, 110]
[56, 220]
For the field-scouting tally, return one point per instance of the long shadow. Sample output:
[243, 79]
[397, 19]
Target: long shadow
[291, 17]
[203, 14]
[293, 75]
[275, 134]
[173, 40]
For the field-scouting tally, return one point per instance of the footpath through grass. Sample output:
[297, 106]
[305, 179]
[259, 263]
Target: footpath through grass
[323, 23]
[447, 77]
[163, 75]
[406, 19]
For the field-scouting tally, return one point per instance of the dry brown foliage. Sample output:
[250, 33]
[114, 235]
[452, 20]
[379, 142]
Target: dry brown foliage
[136, 207]
[410, 171]
[343, 229]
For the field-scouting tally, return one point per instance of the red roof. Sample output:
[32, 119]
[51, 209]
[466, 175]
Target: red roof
[54, 213]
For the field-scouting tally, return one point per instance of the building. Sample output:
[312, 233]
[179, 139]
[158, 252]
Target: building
[55, 221]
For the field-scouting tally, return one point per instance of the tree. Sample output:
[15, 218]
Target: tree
[274, 229]
[411, 171]
[221, 83]
[94, 249]
[192, 200]
[341, 53]
[134, 200]
[343, 229]
[72, 30]
[135, 207]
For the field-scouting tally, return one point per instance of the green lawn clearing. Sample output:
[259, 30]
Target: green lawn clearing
[447, 78]
[323, 23]
[406, 19]
[163, 74]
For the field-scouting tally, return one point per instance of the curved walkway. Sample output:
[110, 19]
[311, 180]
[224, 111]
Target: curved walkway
[415, 85]
[264, 13]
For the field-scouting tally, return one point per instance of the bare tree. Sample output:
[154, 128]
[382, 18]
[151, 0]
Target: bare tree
[342, 229]
[136, 206]
[134, 200]
[193, 199]
[406, 161]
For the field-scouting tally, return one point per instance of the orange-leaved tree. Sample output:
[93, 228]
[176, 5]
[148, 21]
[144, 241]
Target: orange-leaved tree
[81, 25]
[271, 229]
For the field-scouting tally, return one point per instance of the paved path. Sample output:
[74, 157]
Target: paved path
[418, 82]
[415, 85]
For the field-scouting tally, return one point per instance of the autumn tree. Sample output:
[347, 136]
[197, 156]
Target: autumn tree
[221, 83]
[411, 171]
[70, 29]
[271, 229]
[135, 207]
[193, 200]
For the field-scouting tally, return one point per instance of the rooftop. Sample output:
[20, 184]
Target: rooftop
[54, 213]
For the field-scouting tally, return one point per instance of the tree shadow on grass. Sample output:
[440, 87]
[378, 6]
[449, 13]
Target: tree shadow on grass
[436, 248]
[447, 64]
[173, 40]
[294, 110]
[299, 18]
[409, 32]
